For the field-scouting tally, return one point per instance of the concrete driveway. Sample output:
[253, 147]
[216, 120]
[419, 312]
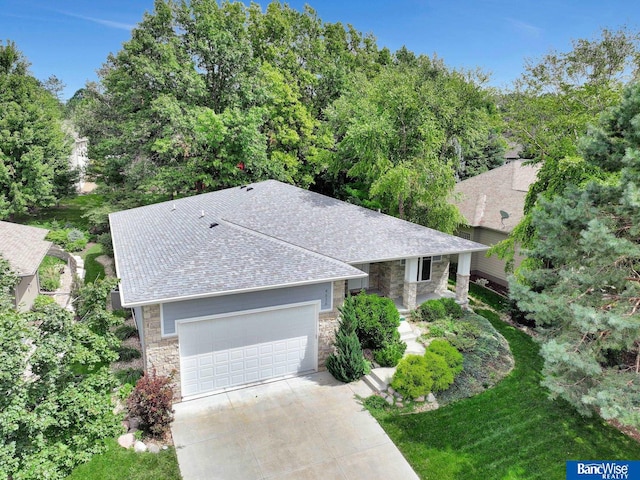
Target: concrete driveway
[301, 428]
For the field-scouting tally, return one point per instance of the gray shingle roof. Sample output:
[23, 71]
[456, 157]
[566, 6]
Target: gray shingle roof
[505, 188]
[23, 247]
[269, 234]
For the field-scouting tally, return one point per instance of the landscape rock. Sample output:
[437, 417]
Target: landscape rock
[125, 425]
[389, 400]
[127, 440]
[139, 447]
[420, 399]
[391, 390]
[431, 398]
[400, 404]
[134, 424]
[153, 448]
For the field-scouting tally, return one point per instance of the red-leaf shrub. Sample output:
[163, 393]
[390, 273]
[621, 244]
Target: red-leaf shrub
[151, 401]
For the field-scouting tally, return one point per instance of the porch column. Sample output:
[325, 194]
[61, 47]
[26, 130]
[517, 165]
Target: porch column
[409, 289]
[462, 279]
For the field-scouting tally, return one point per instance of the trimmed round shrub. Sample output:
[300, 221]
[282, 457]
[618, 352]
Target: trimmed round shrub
[451, 307]
[377, 320]
[413, 378]
[450, 354]
[390, 354]
[431, 311]
[441, 374]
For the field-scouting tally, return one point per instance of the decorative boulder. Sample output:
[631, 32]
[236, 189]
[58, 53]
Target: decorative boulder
[127, 440]
[154, 448]
[139, 447]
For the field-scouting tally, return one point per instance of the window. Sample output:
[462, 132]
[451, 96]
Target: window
[465, 235]
[424, 269]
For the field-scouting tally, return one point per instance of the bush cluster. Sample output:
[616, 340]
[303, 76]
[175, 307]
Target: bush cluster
[438, 309]
[151, 401]
[347, 363]
[70, 239]
[435, 371]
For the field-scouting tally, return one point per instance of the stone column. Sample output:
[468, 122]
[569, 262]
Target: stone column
[462, 279]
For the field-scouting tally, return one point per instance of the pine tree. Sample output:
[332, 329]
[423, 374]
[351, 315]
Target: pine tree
[347, 362]
[582, 285]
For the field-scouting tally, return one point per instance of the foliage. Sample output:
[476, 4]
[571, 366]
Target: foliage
[582, 286]
[377, 320]
[41, 301]
[452, 356]
[551, 108]
[510, 431]
[430, 311]
[117, 463]
[49, 273]
[126, 331]
[128, 375]
[94, 270]
[441, 374]
[70, 239]
[151, 401]
[104, 240]
[128, 353]
[390, 353]
[207, 95]
[401, 136]
[452, 308]
[55, 403]
[462, 334]
[347, 362]
[413, 378]
[34, 169]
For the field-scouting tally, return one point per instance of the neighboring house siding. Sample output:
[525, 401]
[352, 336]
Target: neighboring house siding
[26, 292]
[163, 353]
[244, 301]
[492, 267]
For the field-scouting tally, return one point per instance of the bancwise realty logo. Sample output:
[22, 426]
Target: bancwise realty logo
[603, 470]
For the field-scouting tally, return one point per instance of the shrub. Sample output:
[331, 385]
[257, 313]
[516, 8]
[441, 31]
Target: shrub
[41, 301]
[377, 320]
[104, 239]
[128, 375]
[151, 402]
[347, 363]
[441, 374]
[413, 378]
[452, 308]
[126, 331]
[431, 310]
[128, 353]
[390, 354]
[452, 356]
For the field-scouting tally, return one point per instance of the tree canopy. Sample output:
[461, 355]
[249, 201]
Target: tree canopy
[34, 153]
[582, 286]
[207, 95]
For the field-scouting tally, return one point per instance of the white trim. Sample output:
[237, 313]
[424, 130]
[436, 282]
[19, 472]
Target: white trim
[420, 268]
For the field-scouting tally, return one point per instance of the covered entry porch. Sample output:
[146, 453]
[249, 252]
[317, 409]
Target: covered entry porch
[412, 281]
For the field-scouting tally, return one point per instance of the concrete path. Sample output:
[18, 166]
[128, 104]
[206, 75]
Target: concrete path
[308, 427]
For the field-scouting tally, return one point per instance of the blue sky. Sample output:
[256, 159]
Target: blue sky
[72, 38]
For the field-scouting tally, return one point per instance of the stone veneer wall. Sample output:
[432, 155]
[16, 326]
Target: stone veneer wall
[375, 274]
[439, 278]
[328, 323]
[392, 279]
[163, 354]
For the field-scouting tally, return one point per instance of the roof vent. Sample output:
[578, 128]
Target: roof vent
[173, 207]
[201, 213]
[250, 188]
[214, 224]
[242, 186]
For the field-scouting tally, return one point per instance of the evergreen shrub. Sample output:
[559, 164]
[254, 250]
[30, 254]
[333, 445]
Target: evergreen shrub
[390, 354]
[450, 354]
[413, 378]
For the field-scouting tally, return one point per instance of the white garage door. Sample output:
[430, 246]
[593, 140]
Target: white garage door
[234, 349]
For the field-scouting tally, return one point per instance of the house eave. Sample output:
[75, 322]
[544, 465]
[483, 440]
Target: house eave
[235, 291]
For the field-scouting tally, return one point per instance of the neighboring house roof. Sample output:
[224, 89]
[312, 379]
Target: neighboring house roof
[23, 247]
[269, 234]
[482, 198]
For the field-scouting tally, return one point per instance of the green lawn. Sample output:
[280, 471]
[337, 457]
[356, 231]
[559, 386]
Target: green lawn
[93, 269]
[512, 431]
[119, 464]
[68, 211]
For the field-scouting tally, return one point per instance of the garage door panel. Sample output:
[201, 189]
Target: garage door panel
[228, 351]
